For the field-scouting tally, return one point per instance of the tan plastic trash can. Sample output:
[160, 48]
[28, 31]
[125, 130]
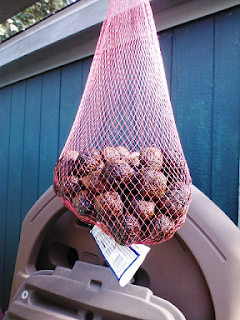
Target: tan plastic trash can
[197, 270]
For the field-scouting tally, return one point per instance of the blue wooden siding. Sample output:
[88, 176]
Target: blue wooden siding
[14, 183]
[5, 112]
[226, 105]
[36, 116]
[202, 62]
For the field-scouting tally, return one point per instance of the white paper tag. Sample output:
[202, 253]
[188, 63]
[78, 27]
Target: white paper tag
[124, 261]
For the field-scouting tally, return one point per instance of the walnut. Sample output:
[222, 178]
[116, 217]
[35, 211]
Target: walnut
[108, 204]
[116, 173]
[151, 157]
[152, 184]
[129, 232]
[88, 161]
[123, 152]
[164, 228]
[66, 164]
[83, 204]
[144, 210]
[93, 182]
[133, 159]
[110, 154]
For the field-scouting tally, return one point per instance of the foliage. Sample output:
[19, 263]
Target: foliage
[30, 16]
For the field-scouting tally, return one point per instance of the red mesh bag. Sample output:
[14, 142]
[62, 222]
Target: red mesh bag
[122, 167]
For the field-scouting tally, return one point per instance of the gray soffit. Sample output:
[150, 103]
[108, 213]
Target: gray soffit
[72, 34]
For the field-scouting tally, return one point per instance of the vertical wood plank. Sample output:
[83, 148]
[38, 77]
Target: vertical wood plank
[5, 118]
[165, 40]
[49, 128]
[226, 124]
[31, 144]
[192, 77]
[86, 68]
[71, 91]
[14, 187]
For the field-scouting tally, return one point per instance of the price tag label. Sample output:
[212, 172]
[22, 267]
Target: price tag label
[124, 261]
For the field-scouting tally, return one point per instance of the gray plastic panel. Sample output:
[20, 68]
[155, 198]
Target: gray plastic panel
[86, 292]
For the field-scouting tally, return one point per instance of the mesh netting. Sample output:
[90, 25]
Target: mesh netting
[122, 167]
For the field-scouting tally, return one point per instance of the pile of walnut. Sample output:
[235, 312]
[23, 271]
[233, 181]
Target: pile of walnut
[132, 196]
